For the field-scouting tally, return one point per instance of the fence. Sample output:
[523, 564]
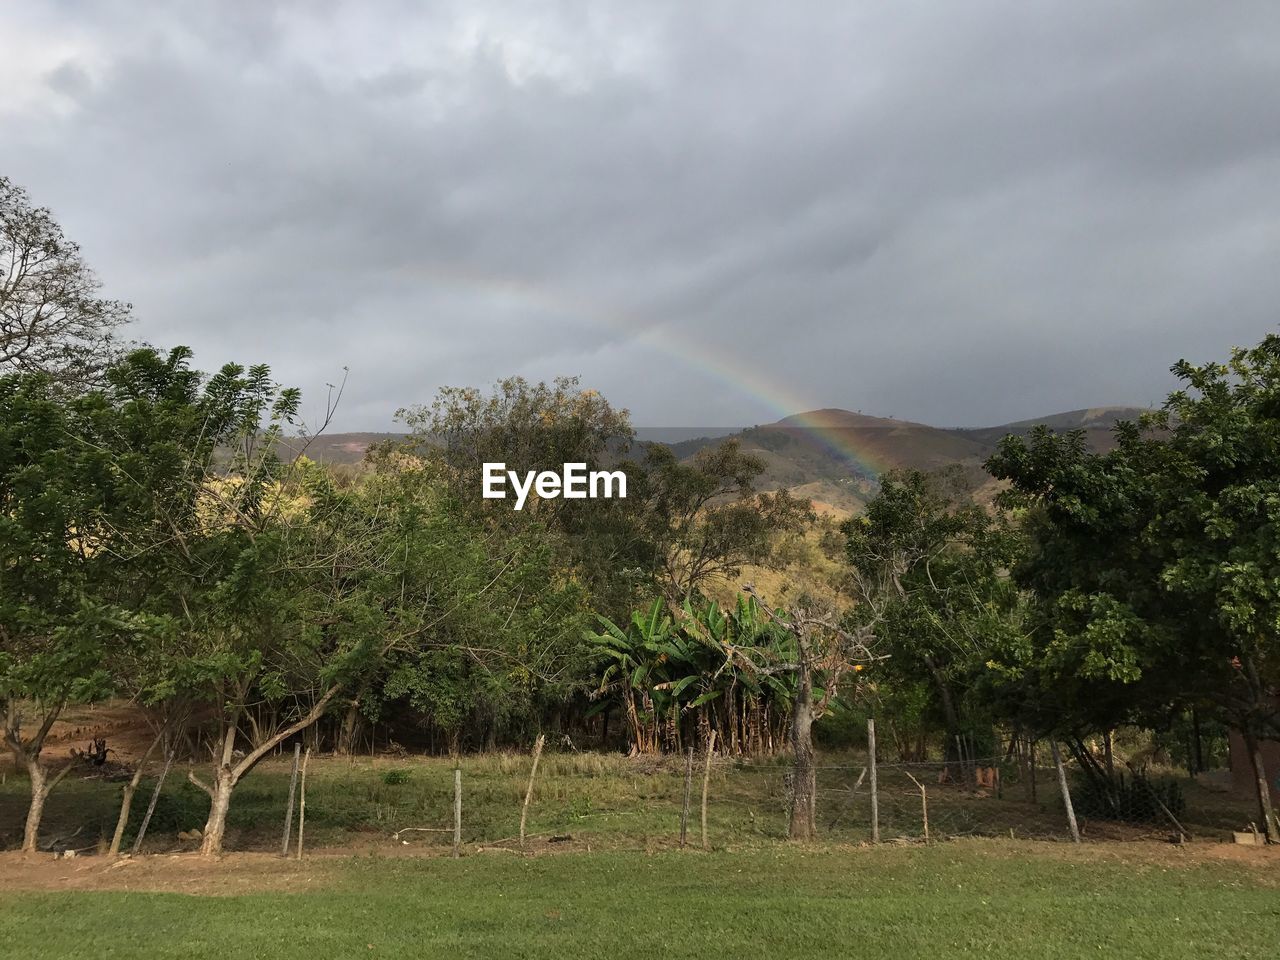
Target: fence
[598, 800]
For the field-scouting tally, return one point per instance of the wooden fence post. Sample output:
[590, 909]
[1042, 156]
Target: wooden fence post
[706, 778]
[528, 794]
[688, 788]
[875, 793]
[457, 812]
[302, 800]
[1031, 768]
[924, 804]
[288, 813]
[1066, 793]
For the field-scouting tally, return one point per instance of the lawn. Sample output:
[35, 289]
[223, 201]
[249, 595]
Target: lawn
[985, 898]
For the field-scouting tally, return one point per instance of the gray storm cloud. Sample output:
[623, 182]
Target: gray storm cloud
[714, 212]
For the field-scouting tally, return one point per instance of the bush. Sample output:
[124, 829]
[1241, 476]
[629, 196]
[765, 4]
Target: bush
[1129, 800]
[394, 778]
[179, 807]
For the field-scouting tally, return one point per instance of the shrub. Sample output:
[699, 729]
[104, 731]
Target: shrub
[1131, 800]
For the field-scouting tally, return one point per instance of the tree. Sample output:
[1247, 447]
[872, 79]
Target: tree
[248, 582]
[51, 316]
[940, 562]
[704, 519]
[56, 618]
[1157, 565]
[277, 578]
[538, 427]
[487, 627]
[682, 525]
[825, 654]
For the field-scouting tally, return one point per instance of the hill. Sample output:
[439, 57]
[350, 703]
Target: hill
[1096, 422]
[831, 456]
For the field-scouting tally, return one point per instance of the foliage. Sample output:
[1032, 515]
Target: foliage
[538, 427]
[681, 526]
[59, 612]
[489, 628]
[1132, 799]
[1157, 564]
[699, 669]
[931, 565]
[705, 521]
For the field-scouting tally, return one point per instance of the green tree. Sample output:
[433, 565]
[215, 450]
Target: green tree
[699, 669]
[160, 493]
[1157, 564]
[705, 521]
[541, 426]
[488, 626]
[56, 616]
[939, 561]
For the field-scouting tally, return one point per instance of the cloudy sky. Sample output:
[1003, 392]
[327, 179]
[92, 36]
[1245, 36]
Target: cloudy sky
[716, 212]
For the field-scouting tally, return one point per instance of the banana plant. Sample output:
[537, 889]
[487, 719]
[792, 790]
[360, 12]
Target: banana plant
[704, 665]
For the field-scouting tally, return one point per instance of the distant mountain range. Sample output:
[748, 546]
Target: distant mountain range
[832, 456]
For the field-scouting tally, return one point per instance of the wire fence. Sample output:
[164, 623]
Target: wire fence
[661, 803]
[593, 799]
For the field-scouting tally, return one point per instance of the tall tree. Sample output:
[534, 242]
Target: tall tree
[827, 652]
[56, 617]
[682, 525]
[1157, 564]
[704, 519]
[52, 318]
[541, 426]
[160, 493]
[940, 562]
[487, 627]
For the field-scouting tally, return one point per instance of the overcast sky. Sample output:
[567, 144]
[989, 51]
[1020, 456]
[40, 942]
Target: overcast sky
[715, 212]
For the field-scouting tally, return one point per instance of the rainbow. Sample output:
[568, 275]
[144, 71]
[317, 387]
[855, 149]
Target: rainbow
[733, 372]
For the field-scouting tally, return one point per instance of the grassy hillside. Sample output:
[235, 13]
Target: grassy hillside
[1096, 422]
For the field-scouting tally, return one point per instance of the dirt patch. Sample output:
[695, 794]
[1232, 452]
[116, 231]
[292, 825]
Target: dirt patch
[121, 724]
[180, 873]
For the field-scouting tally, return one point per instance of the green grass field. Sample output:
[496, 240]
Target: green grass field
[985, 898]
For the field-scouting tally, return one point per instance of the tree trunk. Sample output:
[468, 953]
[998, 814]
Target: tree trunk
[126, 801]
[126, 804]
[1265, 811]
[39, 790]
[219, 803]
[803, 776]
[41, 786]
[349, 732]
[950, 716]
[1066, 792]
[27, 754]
[227, 776]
